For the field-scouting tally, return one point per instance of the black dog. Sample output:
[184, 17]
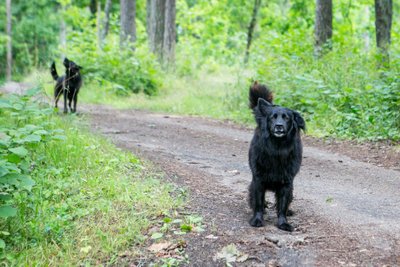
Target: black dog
[275, 155]
[68, 84]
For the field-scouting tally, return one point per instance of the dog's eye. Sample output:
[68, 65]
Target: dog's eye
[275, 116]
[285, 117]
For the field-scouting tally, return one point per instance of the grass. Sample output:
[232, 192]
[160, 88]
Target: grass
[91, 202]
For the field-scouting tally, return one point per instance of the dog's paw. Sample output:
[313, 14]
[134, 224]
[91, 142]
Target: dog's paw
[286, 227]
[257, 220]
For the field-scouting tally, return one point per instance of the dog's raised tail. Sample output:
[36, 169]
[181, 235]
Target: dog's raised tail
[53, 71]
[257, 91]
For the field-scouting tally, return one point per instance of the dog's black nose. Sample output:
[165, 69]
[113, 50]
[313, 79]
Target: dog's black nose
[279, 127]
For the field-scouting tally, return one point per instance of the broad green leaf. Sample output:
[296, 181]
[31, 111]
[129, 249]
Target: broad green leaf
[2, 244]
[59, 137]
[5, 103]
[7, 211]
[33, 138]
[3, 171]
[20, 151]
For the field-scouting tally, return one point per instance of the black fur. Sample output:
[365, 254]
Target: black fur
[275, 155]
[68, 84]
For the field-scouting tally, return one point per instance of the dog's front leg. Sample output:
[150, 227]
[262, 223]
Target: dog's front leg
[284, 196]
[257, 198]
[75, 102]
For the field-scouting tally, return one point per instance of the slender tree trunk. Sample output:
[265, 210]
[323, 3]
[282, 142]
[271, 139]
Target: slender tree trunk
[128, 24]
[63, 38]
[99, 25]
[9, 41]
[257, 4]
[323, 25]
[383, 25]
[169, 32]
[106, 21]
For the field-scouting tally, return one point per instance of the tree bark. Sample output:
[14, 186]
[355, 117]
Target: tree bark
[9, 41]
[257, 4]
[106, 21]
[323, 25]
[161, 29]
[383, 26]
[128, 24]
[169, 33]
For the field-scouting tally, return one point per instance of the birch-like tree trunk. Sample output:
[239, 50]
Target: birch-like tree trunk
[106, 20]
[9, 41]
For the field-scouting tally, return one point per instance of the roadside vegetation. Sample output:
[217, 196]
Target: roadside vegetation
[68, 196]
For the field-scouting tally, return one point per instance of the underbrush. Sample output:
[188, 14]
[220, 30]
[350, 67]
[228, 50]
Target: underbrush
[68, 197]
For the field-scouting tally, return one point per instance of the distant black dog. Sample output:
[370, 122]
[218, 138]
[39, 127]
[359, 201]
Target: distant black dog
[68, 84]
[275, 155]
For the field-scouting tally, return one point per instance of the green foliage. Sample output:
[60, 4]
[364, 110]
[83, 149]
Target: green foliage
[121, 70]
[88, 202]
[35, 31]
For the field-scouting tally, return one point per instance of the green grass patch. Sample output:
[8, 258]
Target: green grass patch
[90, 201]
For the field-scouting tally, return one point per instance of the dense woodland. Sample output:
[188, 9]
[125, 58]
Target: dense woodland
[337, 62]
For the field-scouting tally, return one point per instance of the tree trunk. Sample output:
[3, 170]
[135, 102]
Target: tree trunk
[99, 25]
[257, 4]
[106, 21]
[161, 29]
[93, 7]
[323, 25]
[63, 38]
[9, 41]
[383, 25]
[169, 33]
[128, 24]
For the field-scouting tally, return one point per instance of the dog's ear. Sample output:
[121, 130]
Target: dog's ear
[79, 67]
[299, 120]
[263, 106]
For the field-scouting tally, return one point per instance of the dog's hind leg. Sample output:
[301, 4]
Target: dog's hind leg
[65, 100]
[257, 198]
[284, 196]
[75, 99]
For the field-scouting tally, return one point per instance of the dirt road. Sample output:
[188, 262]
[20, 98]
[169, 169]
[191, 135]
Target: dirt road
[347, 213]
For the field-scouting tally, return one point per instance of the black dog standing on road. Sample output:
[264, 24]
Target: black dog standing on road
[68, 84]
[275, 155]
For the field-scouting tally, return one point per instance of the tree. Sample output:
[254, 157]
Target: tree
[323, 25]
[257, 4]
[106, 20]
[128, 25]
[9, 41]
[169, 32]
[383, 25]
[161, 29]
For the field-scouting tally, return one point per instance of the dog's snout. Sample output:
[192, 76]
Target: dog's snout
[279, 127]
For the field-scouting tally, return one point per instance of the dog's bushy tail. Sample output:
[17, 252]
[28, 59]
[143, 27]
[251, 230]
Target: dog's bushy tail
[257, 91]
[53, 71]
